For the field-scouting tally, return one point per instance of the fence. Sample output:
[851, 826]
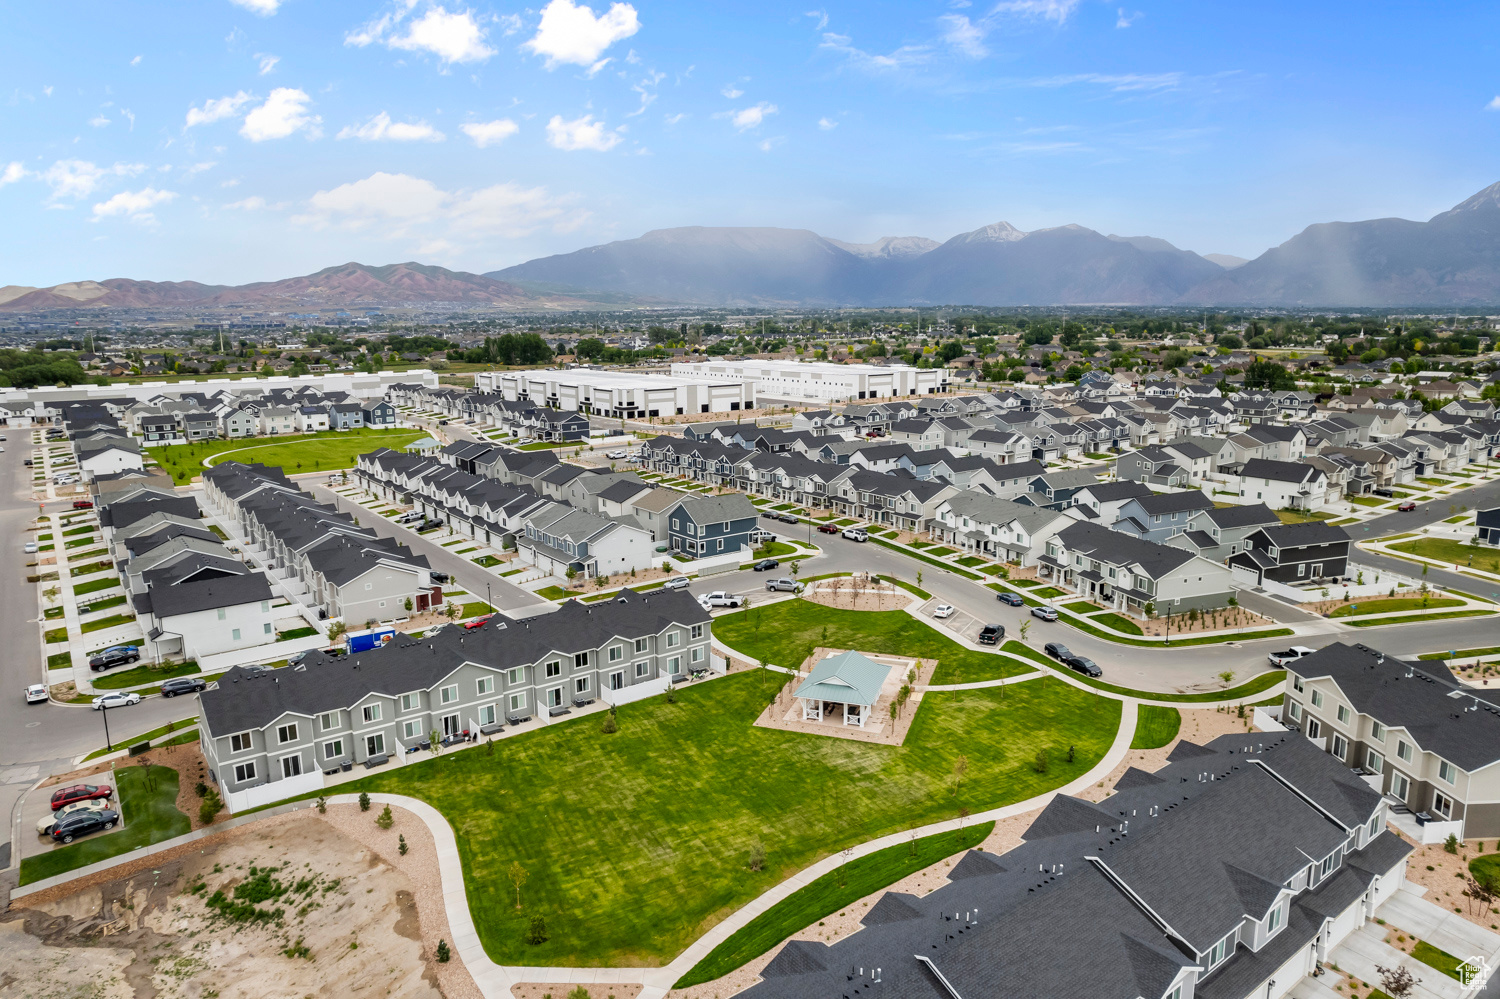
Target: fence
[276, 790]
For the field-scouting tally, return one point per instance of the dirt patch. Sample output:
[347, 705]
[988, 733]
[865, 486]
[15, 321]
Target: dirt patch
[349, 923]
[857, 592]
[1443, 884]
[542, 990]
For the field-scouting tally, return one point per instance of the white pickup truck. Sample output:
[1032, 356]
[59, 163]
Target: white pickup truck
[721, 598]
[1290, 655]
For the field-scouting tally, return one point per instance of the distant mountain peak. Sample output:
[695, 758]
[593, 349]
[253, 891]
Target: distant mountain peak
[998, 232]
[1228, 261]
[889, 247]
[1487, 198]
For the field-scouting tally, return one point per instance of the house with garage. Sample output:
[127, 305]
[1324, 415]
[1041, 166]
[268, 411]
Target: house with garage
[346, 416]
[711, 525]
[1281, 485]
[107, 454]
[370, 707]
[557, 538]
[1293, 553]
[312, 419]
[378, 413]
[236, 423]
[198, 607]
[1002, 529]
[278, 420]
[1101, 502]
[1131, 574]
[1160, 516]
[1166, 466]
[1218, 532]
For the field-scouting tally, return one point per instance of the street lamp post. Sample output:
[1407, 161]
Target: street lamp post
[109, 747]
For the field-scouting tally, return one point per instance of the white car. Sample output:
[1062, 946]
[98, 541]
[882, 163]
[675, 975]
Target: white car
[855, 534]
[116, 700]
[615, 455]
[676, 583]
[943, 610]
[36, 694]
[44, 824]
[1290, 655]
[30, 548]
[720, 598]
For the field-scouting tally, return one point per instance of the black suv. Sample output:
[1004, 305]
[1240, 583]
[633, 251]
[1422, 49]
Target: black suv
[1057, 650]
[991, 633]
[183, 685]
[110, 658]
[83, 822]
[1083, 664]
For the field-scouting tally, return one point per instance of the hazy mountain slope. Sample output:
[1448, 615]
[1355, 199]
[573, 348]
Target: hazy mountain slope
[1228, 261]
[889, 247]
[1452, 259]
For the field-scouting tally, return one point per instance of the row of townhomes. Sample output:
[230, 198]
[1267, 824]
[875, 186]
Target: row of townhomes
[191, 595]
[558, 516]
[319, 555]
[1233, 872]
[519, 416]
[364, 708]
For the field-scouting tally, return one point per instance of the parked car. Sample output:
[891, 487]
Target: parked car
[676, 583]
[720, 598]
[80, 792]
[185, 685]
[1057, 650]
[30, 548]
[27, 462]
[36, 694]
[855, 534]
[769, 515]
[760, 536]
[1387, 493]
[1006, 597]
[1407, 507]
[83, 504]
[784, 585]
[118, 656]
[943, 610]
[766, 563]
[827, 529]
[788, 518]
[1084, 665]
[615, 455]
[116, 700]
[1290, 655]
[991, 634]
[1045, 613]
[69, 828]
[438, 577]
[44, 825]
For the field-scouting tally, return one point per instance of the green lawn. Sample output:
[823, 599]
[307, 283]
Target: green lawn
[475, 609]
[80, 542]
[287, 636]
[137, 675]
[784, 634]
[113, 621]
[134, 740]
[1048, 593]
[487, 561]
[55, 635]
[104, 604]
[631, 869]
[775, 549]
[1439, 959]
[93, 567]
[151, 816]
[95, 586]
[1082, 607]
[1463, 654]
[1446, 550]
[1118, 622]
[1381, 622]
[827, 895]
[1392, 604]
[61, 660]
[1155, 726]
[1301, 516]
[326, 451]
[555, 593]
[1369, 500]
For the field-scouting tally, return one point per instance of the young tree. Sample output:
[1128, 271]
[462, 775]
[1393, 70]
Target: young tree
[443, 953]
[1025, 629]
[1397, 982]
[364, 801]
[517, 879]
[960, 768]
[1227, 676]
[435, 741]
[385, 819]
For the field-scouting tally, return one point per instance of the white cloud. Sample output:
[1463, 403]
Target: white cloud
[400, 205]
[99, 121]
[1119, 83]
[136, 61]
[827, 124]
[452, 37]
[647, 89]
[766, 145]
[489, 133]
[1125, 20]
[570, 33]
[1042, 10]
[381, 129]
[821, 16]
[79, 178]
[254, 203]
[284, 113]
[134, 205]
[12, 173]
[1494, 104]
[964, 35]
[217, 109]
[673, 119]
[267, 62]
[732, 92]
[265, 8]
[751, 117]
[198, 168]
[905, 56]
[129, 116]
[582, 133]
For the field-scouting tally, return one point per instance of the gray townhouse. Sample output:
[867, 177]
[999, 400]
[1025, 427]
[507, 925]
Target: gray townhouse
[1101, 502]
[1128, 573]
[558, 538]
[1429, 742]
[1012, 532]
[1293, 553]
[711, 525]
[1160, 516]
[367, 707]
[1218, 532]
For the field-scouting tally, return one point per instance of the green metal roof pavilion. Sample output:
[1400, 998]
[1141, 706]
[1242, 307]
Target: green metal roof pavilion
[846, 678]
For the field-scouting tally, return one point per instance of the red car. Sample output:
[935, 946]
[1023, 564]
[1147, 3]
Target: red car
[83, 504]
[80, 792]
[1407, 507]
[827, 529]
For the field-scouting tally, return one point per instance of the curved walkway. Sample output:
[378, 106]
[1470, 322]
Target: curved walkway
[495, 980]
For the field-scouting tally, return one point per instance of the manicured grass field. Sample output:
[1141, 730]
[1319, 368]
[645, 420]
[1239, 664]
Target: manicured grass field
[287, 636]
[151, 816]
[1118, 622]
[1048, 593]
[827, 895]
[1155, 726]
[55, 635]
[95, 586]
[1434, 957]
[784, 634]
[475, 609]
[325, 451]
[93, 567]
[113, 621]
[1392, 604]
[137, 675]
[487, 561]
[629, 860]
[61, 660]
[104, 604]
[1301, 516]
[1464, 654]
[135, 740]
[1381, 622]
[1446, 550]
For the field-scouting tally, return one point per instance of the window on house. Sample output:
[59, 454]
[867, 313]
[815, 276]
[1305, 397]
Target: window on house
[411, 729]
[674, 665]
[1317, 698]
[234, 634]
[484, 685]
[239, 742]
[1340, 746]
[266, 628]
[641, 669]
[1377, 731]
[554, 668]
[696, 656]
[673, 639]
[1343, 714]
[287, 733]
[697, 631]
[448, 694]
[410, 702]
[375, 744]
[333, 750]
[641, 644]
[1219, 951]
[265, 606]
[291, 766]
[1294, 709]
[371, 712]
[221, 613]
[329, 720]
[514, 676]
[244, 772]
[616, 654]
[1448, 772]
[1403, 751]
[517, 701]
[1314, 728]
[1374, 762]
[580, 660]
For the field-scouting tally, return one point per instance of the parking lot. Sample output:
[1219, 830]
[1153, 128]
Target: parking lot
[37, 806]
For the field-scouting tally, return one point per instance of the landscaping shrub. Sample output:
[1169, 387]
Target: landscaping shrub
[385, 819]
[443, 954]
[536, 933]
[364, 801]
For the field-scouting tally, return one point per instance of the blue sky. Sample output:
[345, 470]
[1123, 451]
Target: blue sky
[237, 140]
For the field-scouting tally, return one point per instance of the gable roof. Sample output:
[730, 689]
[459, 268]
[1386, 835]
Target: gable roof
[848, 678]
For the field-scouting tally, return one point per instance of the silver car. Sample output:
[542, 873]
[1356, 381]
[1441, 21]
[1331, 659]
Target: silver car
[784, 585]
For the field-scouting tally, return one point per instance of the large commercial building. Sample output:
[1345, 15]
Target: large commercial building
[820, 381]
[620, 393]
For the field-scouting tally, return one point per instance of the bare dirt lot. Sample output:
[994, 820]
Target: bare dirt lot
[284, 909]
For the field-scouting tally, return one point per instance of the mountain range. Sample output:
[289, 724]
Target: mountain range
[1451, 260]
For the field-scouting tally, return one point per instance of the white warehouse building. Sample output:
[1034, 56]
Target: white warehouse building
[822, 381]
[619, 393]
